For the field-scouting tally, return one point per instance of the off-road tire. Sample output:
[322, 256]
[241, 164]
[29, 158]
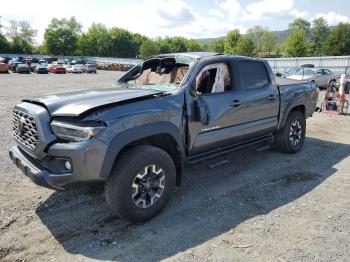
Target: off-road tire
[118, 187]
[283, 137]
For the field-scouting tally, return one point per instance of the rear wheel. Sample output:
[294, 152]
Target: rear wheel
[290, 138]
[141, 183]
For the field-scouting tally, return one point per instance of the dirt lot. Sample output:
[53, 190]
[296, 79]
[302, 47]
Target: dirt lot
[260, 206]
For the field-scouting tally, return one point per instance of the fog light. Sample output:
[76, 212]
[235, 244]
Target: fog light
[68, 165]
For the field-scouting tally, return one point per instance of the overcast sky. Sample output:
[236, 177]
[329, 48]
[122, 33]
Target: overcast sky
[192, 18]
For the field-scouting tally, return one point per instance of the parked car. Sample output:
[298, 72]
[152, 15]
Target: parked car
[74, 62]
[67, 67]
[23, 69]
[308, 65]
[58, 69]
[5, 59]
[4, 68]
[16, 60]
[90, 68]
[41, 69]
[288, 72]
[319, 76]
[33, 66]
[49, 66]
[50, 60]
[14, 65]
[171, 110]
[35, 60]
[42, 61]
[78, 69]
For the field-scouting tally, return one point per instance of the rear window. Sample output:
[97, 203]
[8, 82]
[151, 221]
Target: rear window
[253, 74]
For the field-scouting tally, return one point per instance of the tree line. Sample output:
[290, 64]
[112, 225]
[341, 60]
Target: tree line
[65, 37]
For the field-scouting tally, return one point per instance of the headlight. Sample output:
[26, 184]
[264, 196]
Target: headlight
[74, 132]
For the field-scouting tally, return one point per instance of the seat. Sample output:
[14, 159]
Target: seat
[180, 74]
[142, 79]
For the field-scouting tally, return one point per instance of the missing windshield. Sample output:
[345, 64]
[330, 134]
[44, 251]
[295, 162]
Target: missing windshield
[163, 74]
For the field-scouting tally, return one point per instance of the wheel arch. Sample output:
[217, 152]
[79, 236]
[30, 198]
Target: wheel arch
[292, 108]
[164, 135]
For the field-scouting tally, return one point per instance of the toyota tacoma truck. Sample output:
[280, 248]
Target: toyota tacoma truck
[169, 111]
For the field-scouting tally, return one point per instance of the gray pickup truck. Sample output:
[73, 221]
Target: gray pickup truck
[170, 111]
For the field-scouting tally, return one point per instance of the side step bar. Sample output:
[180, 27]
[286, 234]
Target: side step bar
[225, 150]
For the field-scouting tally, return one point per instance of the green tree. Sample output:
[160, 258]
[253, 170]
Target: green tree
[40, 50]
[148, 48]
[300, 23]
[164, 45]
[122, 43]
[138, 39]
[61, 36]
[218, 46]
[256, 34]
[193, 45]
[21, 36]
[295, 45]
[27, 33]
[268, 42]
[318, 35]
[95, 42]
[245, 46]
[177, 44]
[338, 42]
[4, 44]
[21, 46]
[231, 41]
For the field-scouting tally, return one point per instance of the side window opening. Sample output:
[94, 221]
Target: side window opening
[254, 75]
[213, 78]
[326, 72]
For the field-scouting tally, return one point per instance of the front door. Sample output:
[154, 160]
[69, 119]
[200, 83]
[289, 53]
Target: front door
[215, 86]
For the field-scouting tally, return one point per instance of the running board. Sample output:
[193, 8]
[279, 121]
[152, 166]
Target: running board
[225, 150]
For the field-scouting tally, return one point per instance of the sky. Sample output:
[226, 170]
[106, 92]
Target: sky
[188, 18]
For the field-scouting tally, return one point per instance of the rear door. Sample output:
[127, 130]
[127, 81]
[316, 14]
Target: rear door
[260, 99]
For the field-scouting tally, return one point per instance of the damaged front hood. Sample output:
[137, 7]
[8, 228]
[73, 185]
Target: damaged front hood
[78, 102]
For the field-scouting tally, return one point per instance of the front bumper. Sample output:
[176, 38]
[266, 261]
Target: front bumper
[86, 159]
[43, 71]
[33, 170]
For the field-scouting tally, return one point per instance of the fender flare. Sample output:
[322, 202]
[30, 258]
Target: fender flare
[120, 140]
[287, 112]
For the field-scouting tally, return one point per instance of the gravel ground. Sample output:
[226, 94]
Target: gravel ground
[260, 206]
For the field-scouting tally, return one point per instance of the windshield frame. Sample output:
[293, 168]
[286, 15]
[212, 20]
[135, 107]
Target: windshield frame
[123, 82]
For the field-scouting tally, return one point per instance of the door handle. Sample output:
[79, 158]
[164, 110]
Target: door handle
[235, 103]
[272, 97]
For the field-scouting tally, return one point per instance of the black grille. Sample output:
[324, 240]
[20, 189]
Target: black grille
[24, 129]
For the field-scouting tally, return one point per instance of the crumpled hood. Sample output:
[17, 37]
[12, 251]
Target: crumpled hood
[78, 102]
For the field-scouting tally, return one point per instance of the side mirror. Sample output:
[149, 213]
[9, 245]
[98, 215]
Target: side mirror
[201, 109]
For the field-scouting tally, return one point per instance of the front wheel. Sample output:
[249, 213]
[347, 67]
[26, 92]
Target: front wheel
[141, 183]
[290, 138]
